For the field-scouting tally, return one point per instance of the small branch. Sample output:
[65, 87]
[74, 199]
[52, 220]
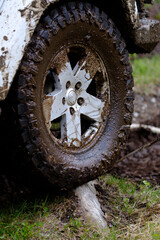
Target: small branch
[147, 145]
[89, 205]
[147, 127]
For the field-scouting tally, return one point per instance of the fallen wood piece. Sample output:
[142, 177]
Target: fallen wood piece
[147, 127]
[147, 145]
[89, 204]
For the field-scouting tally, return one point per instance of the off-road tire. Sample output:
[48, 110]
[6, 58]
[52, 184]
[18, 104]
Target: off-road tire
[73, 21]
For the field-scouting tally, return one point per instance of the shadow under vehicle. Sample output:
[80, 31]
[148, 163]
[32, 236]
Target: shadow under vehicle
[67, 64]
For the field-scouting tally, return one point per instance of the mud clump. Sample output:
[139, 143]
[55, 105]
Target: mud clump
[20, 182]
[144, 165]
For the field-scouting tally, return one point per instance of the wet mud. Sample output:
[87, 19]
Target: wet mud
[23, 182]
[17, 183]
[143, 165]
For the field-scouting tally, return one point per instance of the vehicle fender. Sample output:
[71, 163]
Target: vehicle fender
[18, 19]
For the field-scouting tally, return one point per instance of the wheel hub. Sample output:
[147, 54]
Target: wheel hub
[76, 96]
[71, 97]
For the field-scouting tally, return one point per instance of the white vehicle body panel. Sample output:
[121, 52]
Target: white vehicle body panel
[18, 19]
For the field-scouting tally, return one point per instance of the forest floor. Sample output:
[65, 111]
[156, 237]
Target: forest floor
[129, 194]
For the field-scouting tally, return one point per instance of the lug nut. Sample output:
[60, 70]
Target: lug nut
[80, 101]
[78, 85]
[72, 111]
[68, 84]
[63, 100]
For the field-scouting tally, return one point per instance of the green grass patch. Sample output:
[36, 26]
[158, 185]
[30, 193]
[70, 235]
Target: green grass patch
[146, 71]
[132, 211]
[130, 195]
[20, 222]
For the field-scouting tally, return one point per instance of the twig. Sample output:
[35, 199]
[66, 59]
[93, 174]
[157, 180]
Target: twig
[147, 145]
[147, 127]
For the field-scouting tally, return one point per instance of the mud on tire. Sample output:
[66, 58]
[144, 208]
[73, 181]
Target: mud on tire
[75, 94]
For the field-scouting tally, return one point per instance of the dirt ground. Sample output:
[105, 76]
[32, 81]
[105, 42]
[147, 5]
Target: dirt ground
[144, 165]
[16, 183]
[19, 183]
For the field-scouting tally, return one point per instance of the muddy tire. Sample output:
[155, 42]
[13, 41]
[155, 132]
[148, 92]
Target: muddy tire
[75, 94]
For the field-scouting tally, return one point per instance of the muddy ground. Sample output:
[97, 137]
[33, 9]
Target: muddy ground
[144, 165]
[19, 183]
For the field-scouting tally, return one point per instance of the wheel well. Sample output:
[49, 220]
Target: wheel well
[50, 46]
[114, 10]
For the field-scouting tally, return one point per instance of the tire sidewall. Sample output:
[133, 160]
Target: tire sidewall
[94, 159]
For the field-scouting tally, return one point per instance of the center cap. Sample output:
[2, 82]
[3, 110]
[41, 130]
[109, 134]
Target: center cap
[71, 97]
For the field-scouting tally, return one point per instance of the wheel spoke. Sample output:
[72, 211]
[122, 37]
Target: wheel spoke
[64, 69]
[68, 97]
[47, 106]
[92, 107]
[86, 69]
[53, 104]
[71, 128]
[57, 84]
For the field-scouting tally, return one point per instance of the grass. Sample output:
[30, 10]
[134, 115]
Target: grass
[132, 209]
[21, 221]
[146, 71]
[133, 212]
[150, 6]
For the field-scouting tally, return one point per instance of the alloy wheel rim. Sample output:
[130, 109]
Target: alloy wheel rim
[76, 96]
